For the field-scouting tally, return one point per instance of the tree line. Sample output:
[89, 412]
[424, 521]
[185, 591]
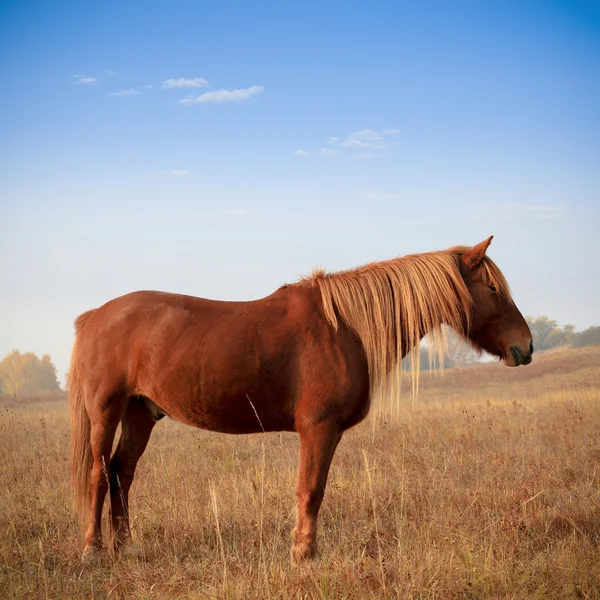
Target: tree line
[547, 334]
[27, 374]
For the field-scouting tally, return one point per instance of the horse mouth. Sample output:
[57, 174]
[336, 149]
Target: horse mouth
[518, 358]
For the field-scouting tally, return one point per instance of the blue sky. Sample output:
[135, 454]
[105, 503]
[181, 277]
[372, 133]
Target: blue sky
[223, 148]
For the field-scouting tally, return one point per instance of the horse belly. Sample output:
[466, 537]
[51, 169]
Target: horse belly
[229, 414]
[233, 400]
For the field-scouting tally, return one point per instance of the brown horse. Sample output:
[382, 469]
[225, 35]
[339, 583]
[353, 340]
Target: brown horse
[307, 358]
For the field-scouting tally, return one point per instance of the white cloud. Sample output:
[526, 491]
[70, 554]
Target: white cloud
[125, 93]
[327, 152]
[365, 143]
[182, 82]
[366, 139]
[321, 152]
[224, 96]
[233, 212]
[511, 211]
[374, 196]
[110, 73]
[84, 79]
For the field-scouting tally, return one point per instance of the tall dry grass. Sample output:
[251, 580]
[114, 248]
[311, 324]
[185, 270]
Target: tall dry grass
[488, 488]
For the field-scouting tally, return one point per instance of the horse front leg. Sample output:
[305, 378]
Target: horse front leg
[317, 447]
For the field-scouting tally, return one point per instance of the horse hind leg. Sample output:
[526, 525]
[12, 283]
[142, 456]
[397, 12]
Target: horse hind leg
[136, 427]
[104, 418]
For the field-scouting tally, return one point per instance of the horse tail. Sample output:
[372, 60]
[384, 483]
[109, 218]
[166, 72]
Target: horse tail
[80, 444]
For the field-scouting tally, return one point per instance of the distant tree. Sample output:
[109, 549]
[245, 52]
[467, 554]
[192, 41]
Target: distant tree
[459, 353]
[426, 364]
[27, 374]
[587, 337]
[547, 334]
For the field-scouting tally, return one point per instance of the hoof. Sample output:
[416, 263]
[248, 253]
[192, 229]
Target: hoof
[304, 553]
[90, 556]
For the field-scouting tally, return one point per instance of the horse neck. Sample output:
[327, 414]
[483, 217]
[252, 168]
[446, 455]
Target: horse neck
[422, 330]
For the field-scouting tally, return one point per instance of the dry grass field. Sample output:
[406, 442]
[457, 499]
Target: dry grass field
[488, 488]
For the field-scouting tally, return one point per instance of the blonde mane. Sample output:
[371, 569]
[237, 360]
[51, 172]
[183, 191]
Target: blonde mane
[390, 305]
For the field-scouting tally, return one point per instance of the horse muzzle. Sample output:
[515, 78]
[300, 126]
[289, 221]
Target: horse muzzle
[517, 356]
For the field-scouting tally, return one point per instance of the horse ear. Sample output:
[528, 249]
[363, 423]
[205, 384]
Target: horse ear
[473, 256]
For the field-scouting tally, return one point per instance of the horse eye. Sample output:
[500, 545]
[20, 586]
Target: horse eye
[493, 288]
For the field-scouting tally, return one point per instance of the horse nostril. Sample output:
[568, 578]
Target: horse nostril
[530, 347]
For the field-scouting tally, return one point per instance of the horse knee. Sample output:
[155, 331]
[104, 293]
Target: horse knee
[99, 478]
[310, 500]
